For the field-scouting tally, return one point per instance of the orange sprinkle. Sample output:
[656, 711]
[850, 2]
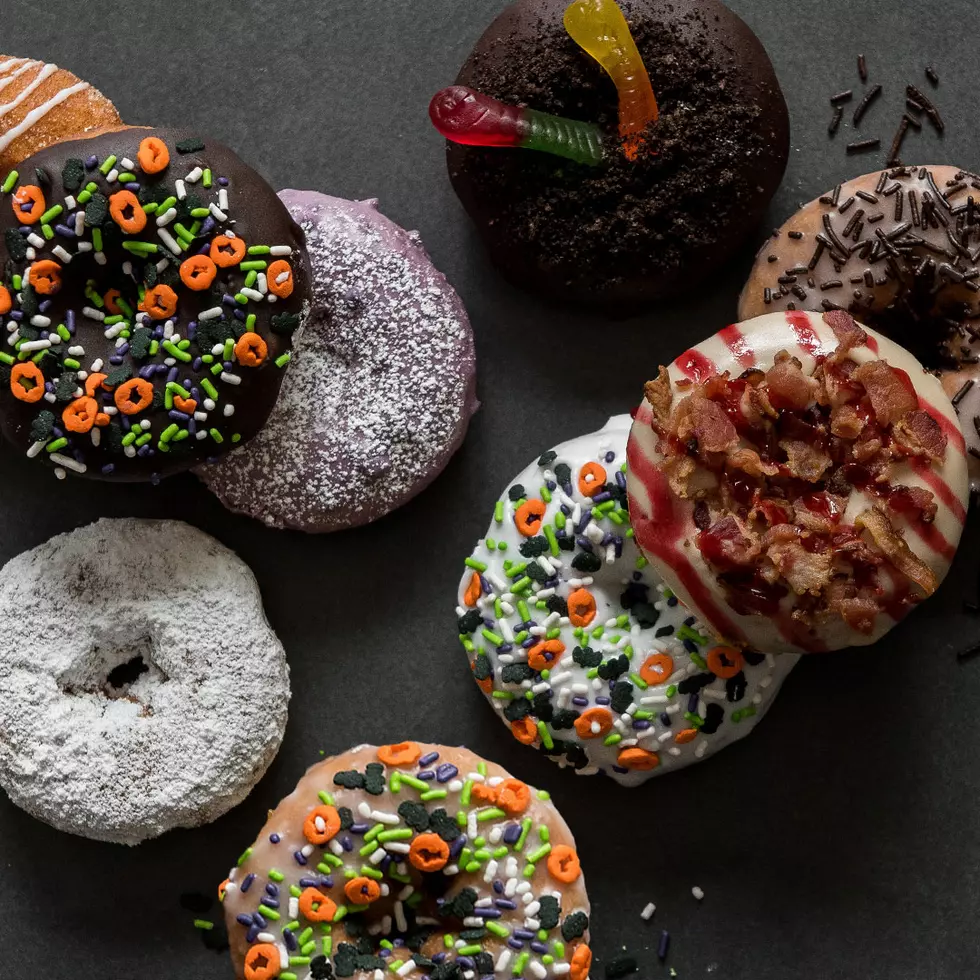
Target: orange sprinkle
[127, 212]
[528, 517]
[400, 754]
[687, 735]
[160, 302]
[45, 276]
[32, 195]
[331, 825]
[544, 655]
[27, 382]
[251, 350]
[563, 863]
[473, 591]
[188, 405]
[262, 962]
[725, 662]
[110, 298]
[485, 684]
[636, 758]
[362, 891]
[5, 300]
[282, 289]
[591, 479]
[657, 668]
[599, 716]
[314, 906]
[223, 889]
[524, 730]
[513, 796]
[429, 852]
[93, 382]
[197, 272]
[153, 155]
[80, 415]
[102, 420]
[483, 793]
[125, 400]
[581, 963]
[226, 251]
[581, 607]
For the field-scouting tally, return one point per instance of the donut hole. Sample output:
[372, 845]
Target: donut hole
[119, 668]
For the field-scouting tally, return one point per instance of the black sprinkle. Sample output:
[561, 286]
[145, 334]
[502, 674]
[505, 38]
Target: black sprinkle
[72, 174]
[545, 458]
[284, 323]
[586, 657]
[96, 211]
[621, 966]
[374, 778]
[516, 492]
[16, 244]
[349, 779]
[585, 562]
[192, 145]
[550, 911]
[444, 825]
[574, 926]
[40, 430]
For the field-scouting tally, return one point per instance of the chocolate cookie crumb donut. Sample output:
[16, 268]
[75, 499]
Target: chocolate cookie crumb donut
[143, 687]
[576, 641]
[419, 860]
[899, 250]
[43, 104]
[626, 233]
[150, 287]
[381, 388]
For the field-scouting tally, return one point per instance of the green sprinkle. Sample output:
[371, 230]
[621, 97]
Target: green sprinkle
[543, 851]
[209, 388]
[521, 584]
[269, 913]
[276, 875]
[216, 436]
[203, 924]
[126, 178]
[295, 892]
[641, 562]
[206, 179]
[495, 638]
[51, 214]
[107, 165]
[199, 212]
[639, 682]
[325, 797]
[129, 438]
[48, 232]
[546, 739]
[471, 950]
[10, 182]
[447, 940]
[282, 360]
[464, 796]
[525, 830]
[6, 358]
[549, 533]
[174, 351]
[259, 250]
[613, 739]
[371, 873]
[418, 784]
[433, 794]
[521, 963]
[164, 206]
[671, 690]
[544, 833]
[496, 929]
[257, 264]
[478, 566]
[374, 831]
[546, 495]
[150, 208]
[53, 447]
[399, 833]
[140, 248]
[97, 239]
[71, 363]
[492, 813]
[63, 332]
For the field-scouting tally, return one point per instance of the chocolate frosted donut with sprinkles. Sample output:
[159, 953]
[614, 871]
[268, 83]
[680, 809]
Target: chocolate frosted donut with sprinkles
[417, 860]
[575, 640]
[798, 480]
[151, 287]
[900, 250]
[382, 385]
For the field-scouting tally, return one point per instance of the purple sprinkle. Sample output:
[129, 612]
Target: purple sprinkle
[229, 299]
[347, 844]
[428, 759]
[551, 485]
[132, 186]
[621, 478]
[438, 958]
[124, 349]
[498, 887]
[158, 333]
[154, 479]
[580, 701]
[601, 498]
[457, 846]
[663, 945]
[252, 934]
[618, 547]
[91, 162]
[618, 769]
[360, 828]
[485, 586]
[25, 229]
[147, 371]
[566, 510]
[607, 539]
[45, 334]
[243, 919]
[108, 468]
[326, 881]
[465, 962]
[692, 704]
[665, 719]
[239, 314]
[144, 451]
[515, 943]
[259, 920]
[272, 889]
[192, 330]
[504, 903]
[446, 772]
[385, 863]
[308, 883]
[642, 725]
[116, 359]
[65, 231]
[70, 321]
[523, 934]
[427, 774]
[300, 857]
[610, 456]
[198, 364]
[398, 942]
[207, 228]
[384, 953]
[529, 642]
[583, 521]
[223, 181]
[512, 833]
[584, 543]
[486, 913]
[16, 315]
[291, 944]
[172, 375]
[539, 948]
[192, 427]
[126, 424]
[602, 699]
[273, 903]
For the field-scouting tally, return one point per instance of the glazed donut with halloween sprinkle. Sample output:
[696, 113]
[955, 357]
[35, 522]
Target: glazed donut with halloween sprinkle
[577, 643]
[899, 249]
[152, 287]
[42, 104]
[799, 481]
[411, 859]
[143, 687]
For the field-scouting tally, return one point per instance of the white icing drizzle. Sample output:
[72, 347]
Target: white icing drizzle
[4, 65]
[16, 74]
[36, 115]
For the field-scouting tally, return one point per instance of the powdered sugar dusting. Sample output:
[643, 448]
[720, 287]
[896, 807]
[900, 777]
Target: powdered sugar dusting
[183, 742]
[380, 389]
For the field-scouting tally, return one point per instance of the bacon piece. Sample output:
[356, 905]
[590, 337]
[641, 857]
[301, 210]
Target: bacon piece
[846, 329]
[915, 501]
[891, 391]
[919, 434]
[756, 407]
[707, 422]
[806, 461]
[897, 551]
[858, 612]
[846, 422]
[787, 385]
[660, 394]
[749, 461]
[728, 544]
[686, 478]
[806, 572]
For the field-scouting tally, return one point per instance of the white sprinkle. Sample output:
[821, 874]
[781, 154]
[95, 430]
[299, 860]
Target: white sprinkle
[538, 969]
[80, 224]
[503, 961]
[560, 969]
[209, 404]
[218, 214]
[280, 250]
[32, 345]
[100, 258]
[126, 163]
[50, 397]
[168, 240]
[334, 844]
[213, 314]
[282, 277]
[252, 294]
[194, 176]
[230, 379]
[181, 190]
[648, 910]
[306, 850]
[68, 463]
[69, 202]
[40, 321]
[112, 176]
[697, 892]
[97, 365]
[60, 473]
[378, 856]
[262, 283]
[223, 198]
[378, 816]
[293, 907]
[35, 449]
[36, 240]
[84, 246]
[266, 937]
[164, 219]
[406, 968]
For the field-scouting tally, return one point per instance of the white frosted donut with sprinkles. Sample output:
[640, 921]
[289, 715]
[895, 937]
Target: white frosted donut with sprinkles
[409, 860]
[798, 480]
[143, 688]
[576, 642]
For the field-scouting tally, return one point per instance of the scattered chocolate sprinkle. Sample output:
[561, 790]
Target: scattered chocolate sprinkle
[931, 75]
[862, 67]
[797, 235]
[927, 106]
[846, 206]
[862, 146]
[969, 653]
[865, 196]
[865, 103]
[962, 393]
[840, 97]
[836, 121]
[835, 197]
[903, 128]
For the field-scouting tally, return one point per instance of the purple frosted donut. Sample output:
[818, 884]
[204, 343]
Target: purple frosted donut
[381, 386]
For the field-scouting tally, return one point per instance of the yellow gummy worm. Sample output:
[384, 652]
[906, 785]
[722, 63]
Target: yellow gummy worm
[600, 29]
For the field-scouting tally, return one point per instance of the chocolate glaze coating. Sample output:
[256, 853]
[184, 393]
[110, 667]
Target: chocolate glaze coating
[381, 389]
[254, 214]
[620, 236]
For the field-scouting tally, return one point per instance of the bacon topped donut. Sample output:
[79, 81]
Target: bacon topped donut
[799, 481]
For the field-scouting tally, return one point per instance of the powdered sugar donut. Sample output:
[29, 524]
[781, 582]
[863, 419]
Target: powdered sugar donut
[381, 386]
[799, 481]
[414, 860]
[143, 688]
[576, 641]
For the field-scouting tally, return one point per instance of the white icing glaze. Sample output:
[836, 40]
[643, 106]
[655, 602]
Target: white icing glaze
[183, 742]
[46, 72]
[756, 342]
[739, 708]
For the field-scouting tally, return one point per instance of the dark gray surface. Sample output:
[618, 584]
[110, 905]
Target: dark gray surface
[838, 842]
